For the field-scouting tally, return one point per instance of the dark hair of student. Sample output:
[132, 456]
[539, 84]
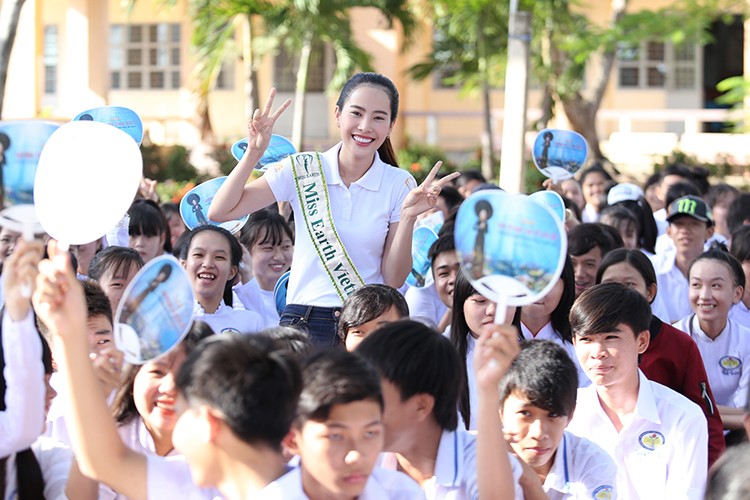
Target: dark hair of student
[386, 152]
[294, 340]
[123, 405]
[367, 303]
[469, 175]
[417, 360]
[559, 316]
[335, 377]
[719, 253]
[252, 385]
[235, 252]
[462, 290]
[452, 197]
[29, 478]
[729, 478]
[583, 237]
[444, 243]
[718, 192]
[597, 168]
[116, 260]
[615, 215]
[647, 230]
[543, 374]
[572, 206]
[679, 190]
[265, 227]
[635, 258]
[740, 247]
[739, 212]
[146, 218]
[603, 307]
[97, 303]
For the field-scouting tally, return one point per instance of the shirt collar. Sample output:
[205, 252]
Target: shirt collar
[370, 181]
[546, 333]
[448, 463]
[645, 406]
[556, 479]
[199, 311]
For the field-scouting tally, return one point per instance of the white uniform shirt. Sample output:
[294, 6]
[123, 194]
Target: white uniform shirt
[381, 485]
[589, 214]
[726, 358]
[549, 333]
[581, 470]
[661, 451]
[228, 320]
[21, 422]
[740, 313]
[170, 478]
[259, 301]
[54, 461]
[673, 288]
[425, 305]
[471, 382]
[456, 468]
[362, 214]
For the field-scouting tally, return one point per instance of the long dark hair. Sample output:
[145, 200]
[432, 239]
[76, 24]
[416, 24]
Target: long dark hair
[560, 316]
[386, 152]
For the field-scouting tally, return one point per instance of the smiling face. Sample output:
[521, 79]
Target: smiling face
[339, 454]
[8, 240]
[445, 265]
[209, 267]
[585, 267]
[536, 432]
[270, 261]
[155, 393]
[594, 189]
[689, 235]
[365, 122]
[610, 359]
[99, 333]
[712, 293]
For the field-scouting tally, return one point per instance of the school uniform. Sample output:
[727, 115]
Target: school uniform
[228, 320]
[661, 451]
[740, 313]
[381, 485]
[726, 358]
[425, 305]
[673, 288]
[548, 333]
[471, 382]
[260, 301]
[54, 461]
[169, 477]
[589, 214]
[581, 470]
[664, 243]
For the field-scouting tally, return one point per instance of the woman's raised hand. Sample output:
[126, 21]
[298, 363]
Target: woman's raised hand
[424, 196]
[260, 127]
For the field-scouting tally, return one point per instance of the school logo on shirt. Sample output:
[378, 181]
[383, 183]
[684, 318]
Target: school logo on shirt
[651, 440]
[230, 330]
[730, 365]
[603, 492]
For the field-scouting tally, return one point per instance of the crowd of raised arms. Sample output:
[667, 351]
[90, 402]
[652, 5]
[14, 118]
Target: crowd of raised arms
[629, 379]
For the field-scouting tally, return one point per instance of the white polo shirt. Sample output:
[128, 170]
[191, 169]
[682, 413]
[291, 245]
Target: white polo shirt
[362, 214]
[54, 460]
[740, 313]
[381, 485]
[661, 452]
[425, 305]
[259, 301]
[456, 468]
[672, 287]
[228, 320]
[581, 469]
[170, 478]
[726, 358]
[549, 333]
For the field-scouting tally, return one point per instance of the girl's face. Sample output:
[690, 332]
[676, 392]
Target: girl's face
[176, 227]
[712, 291]
[209, 265]
[543, 308]
[271, 261]
[572, 191]
[594, 189]
[478, 311]
[155, 393]
[115, 281]
[8, 240]
[629, 233]
[365, 121]
[626, 274]
[147, 246]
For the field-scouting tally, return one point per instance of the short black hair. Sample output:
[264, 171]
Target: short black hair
[717, 192]
[289, 338]
[544, 374]
[583, 237]
[741, 243]
[367, 303]
[603, 307]
[739, 212]
[116, 259]
[335, 377]
[635, 258]
[680, 189]
[97, 303]
[418, 360]
[146, 218]
[451, 196]
[469, 175]
[444, 243]
[254, 387]
[596, 168]
[265, 226]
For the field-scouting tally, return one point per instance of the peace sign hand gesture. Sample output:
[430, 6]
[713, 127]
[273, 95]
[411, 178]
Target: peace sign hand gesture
[260, 127]
[424, 196]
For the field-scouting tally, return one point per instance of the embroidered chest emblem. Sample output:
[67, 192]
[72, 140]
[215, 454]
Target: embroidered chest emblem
[651, 440]
[603, 492]
[730, 365]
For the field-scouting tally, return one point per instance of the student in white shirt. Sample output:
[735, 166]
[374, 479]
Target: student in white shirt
[235, 403]
[717, 283]
[594, 183]
[338, 435]
[689, 228]
[657, 438]
[211, 256]
[537, 401]
[741, 250]
[420, 374]
[270, 242]
[367, 309]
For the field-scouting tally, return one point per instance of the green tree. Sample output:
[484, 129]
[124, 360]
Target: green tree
[10, 11]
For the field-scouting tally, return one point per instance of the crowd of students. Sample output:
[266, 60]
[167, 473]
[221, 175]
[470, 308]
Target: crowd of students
[629, 379]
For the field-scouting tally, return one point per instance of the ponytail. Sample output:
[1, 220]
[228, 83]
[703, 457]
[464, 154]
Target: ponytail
[387, 154]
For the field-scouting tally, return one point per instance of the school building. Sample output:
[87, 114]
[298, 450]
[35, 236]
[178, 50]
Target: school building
[71, 55]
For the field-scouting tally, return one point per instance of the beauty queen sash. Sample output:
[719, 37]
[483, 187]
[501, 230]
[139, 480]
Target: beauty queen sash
[312, 191]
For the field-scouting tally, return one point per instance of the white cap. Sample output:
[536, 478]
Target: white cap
[624, 192]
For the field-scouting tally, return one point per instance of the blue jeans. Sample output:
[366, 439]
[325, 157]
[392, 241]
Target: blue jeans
[320, 322]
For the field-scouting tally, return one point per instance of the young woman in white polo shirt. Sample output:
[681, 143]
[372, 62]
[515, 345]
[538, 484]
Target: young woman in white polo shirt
[354, 212]
[716, 283]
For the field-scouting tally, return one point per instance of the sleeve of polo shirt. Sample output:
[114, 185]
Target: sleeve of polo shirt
[281, 181]
[689, 465]
[21, 422]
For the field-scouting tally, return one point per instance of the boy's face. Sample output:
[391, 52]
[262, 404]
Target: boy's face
[689, 234]
[534, 433]
[611, 358]
[99, 333]
[398, 416]
[444, 268]
[585, 267]
[356, 334]
[339, 454]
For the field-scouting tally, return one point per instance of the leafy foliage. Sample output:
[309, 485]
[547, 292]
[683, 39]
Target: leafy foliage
[419, 159]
